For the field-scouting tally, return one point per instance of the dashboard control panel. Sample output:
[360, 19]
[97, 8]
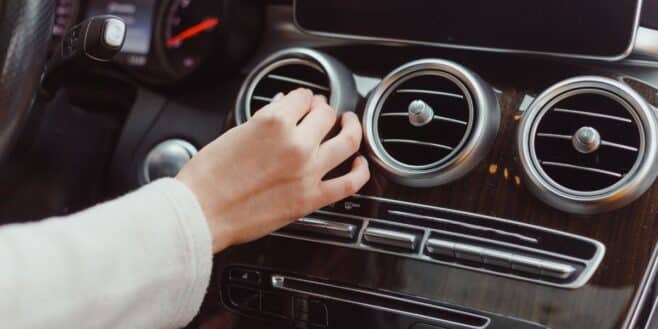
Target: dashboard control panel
[465, 240]
[306, 303]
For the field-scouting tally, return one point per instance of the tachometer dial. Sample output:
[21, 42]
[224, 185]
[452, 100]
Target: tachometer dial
[189, 33]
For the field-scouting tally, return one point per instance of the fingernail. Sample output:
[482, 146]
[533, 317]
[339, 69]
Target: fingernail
[278, 97]
[323, 98]
[363, 158]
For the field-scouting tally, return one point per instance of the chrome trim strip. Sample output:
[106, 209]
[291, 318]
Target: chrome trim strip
[391, 238]
[471, 226]
[581, 168]
[415, 142]
[646, 42]
[279, 282]
[592, 114]
[621, 56]
[603, 142]
[436, 117]
[429, 92]
[297, 81]
[642, 294]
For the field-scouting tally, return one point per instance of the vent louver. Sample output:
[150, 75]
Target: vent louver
[586, 145]
[430, 122]
[292, 69]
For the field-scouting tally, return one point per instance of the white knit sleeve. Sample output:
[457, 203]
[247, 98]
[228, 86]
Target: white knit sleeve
[141, 261]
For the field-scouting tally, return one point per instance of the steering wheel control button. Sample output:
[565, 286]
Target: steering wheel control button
[114, 33]
[420, 113]
[167, 159]
[245, 276]
[394, 239]
[586, 140]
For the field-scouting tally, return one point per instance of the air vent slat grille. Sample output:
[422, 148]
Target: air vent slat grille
[617, 145]
[436, 117]
[437, 140]
[287, 76]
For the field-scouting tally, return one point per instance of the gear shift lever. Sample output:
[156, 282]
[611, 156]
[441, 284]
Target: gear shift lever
[95, 40]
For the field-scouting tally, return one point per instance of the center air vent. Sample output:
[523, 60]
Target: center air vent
[295, 68]
[588, 145]
[430, 122]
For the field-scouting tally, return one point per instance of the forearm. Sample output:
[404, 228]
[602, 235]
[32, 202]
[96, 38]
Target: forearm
[142, 261]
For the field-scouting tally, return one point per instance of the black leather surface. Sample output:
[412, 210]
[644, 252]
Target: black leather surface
[25, 30]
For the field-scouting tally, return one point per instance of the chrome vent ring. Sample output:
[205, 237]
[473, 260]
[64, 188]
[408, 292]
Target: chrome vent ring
[296, 68]
[587, 145]
[430, 122]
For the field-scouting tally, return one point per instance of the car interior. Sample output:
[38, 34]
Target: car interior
[513, 147]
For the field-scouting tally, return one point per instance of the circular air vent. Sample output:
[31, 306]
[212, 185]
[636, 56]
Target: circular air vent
[588, 145]
[295, 68]
[430, 122]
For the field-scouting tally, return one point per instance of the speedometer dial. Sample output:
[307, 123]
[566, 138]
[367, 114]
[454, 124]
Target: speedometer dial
[189, 33]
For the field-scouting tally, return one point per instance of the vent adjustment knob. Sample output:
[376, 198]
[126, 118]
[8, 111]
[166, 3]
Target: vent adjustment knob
[586, 140]
[420, 113]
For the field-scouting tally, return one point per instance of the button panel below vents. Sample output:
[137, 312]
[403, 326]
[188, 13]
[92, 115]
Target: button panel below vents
[458, 239]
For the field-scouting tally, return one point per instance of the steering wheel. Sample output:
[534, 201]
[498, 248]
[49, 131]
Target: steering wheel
[25, 32]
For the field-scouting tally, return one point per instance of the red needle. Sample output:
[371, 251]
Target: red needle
[192, 31]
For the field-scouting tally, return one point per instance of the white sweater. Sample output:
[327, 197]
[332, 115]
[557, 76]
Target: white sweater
[141, 261]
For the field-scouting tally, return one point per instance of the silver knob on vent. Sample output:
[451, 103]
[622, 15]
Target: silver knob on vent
[167, 159]
[586, 140]
[420, 113]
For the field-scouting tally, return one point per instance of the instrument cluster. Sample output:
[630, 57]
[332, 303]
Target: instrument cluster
[170, 41]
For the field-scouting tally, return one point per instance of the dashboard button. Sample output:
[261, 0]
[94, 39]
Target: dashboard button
[442, 248]
[468, 252]
[277, 305]
[311, 311]
[246, 276]
[325, 228]
[391, 238]
[245, 298]
[497, 258]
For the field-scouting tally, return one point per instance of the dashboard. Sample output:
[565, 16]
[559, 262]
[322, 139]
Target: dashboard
[168, 41]
[513, 149]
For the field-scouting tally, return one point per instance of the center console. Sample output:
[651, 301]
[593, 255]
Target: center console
[508, 190]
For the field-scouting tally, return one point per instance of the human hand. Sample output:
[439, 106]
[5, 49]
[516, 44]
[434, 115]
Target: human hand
[266, 173]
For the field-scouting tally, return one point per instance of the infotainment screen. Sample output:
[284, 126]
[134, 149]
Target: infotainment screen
[590, 28]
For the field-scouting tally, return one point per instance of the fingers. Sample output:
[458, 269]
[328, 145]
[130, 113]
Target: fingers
[336, 150]
[339, 188]
[294, 105]
[317, 124]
